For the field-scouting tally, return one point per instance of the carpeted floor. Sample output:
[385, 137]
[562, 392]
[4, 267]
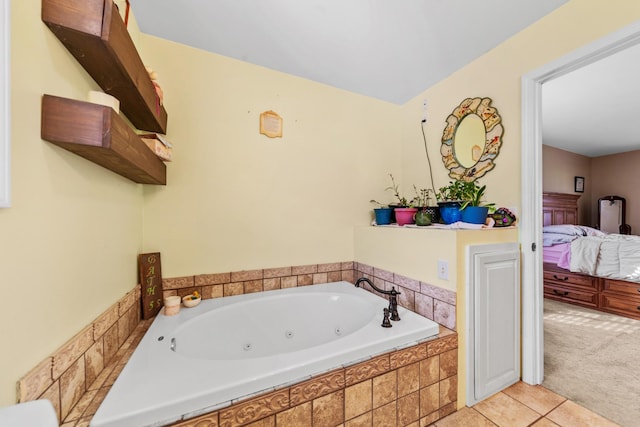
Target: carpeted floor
[593, 358]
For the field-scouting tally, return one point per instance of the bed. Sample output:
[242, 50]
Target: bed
[585, 266]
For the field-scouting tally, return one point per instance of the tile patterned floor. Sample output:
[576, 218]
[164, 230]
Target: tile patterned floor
[523, 405]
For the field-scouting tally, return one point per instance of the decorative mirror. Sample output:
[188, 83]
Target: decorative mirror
[471, 140]
[611, 215]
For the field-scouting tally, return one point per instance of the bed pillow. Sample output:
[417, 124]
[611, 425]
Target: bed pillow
[550, 239]
[572, 230]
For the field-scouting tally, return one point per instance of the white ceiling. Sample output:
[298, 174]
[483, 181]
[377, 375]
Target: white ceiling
[395, 50]
[387, 49]
[594, 110]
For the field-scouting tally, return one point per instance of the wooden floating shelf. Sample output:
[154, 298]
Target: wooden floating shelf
[94, 33]
[100, 135]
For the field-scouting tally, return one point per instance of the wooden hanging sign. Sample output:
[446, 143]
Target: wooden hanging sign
[151, 283]
[271, 124]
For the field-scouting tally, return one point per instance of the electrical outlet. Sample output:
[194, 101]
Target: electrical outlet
[443, 269]
[424, 110]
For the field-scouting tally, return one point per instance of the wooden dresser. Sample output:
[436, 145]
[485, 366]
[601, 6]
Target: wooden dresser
[608, 295]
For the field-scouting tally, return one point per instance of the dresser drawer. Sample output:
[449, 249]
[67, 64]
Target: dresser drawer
[621, 287]
[624, 306]
[572, 279]
[571, 295]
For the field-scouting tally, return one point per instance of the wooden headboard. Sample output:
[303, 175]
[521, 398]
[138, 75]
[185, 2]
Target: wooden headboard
[559, 208]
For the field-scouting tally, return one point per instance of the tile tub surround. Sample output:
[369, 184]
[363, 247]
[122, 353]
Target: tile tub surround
[85, 363]
[100, 350]
[413, 386]
[430, 301]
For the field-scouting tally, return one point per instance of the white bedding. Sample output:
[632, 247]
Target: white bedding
[614, 256]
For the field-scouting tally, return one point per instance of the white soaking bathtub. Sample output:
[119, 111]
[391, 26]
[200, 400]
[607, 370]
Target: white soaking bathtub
[225, 349]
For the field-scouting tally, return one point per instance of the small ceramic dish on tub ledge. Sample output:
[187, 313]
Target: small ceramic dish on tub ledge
[191, 300]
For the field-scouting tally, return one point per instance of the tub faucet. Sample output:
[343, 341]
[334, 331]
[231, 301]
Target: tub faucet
[393, 297]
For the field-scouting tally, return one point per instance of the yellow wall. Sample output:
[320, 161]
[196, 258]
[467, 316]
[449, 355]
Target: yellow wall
[69, 241]
[235, 199]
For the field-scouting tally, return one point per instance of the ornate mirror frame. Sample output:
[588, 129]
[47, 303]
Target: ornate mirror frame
[484, 155]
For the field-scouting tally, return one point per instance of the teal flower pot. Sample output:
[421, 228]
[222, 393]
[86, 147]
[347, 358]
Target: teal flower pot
[383, 215]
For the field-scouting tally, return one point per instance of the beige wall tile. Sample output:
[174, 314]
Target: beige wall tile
[407, 356]
[349, 276]
[316, 387]
[441, 345]
[92, 408]
[53, 395]
[364, 420]
[94, 362]
[385, 415]
[78, 410]
[265, 422]
[406, 282]
[244, 276]
[110, 344]
[385, 388]
[233, 289]
[127, 302]
[252, 286]
[212, 291]
[72, 350]
[358, 399]
[178, 282]
[334, 276]
[298, 416]
[36, 381]
[429, 371]
[207, 420]
[271, 284]
[407, 298]
[444, 313]
[348, 265]
[304, 269]
[408, 379]
[409, 408]
[331, 266]
[424, 305]
[448, 390]
[366, 370]
[105, 321]
[289, 282]
[329, 410]
[277, 272]
[72, 386]
[429, 399]
[448, 363]
[211, 279]
[254, 409]
[305, 279]
[444, 295]
[320, 278]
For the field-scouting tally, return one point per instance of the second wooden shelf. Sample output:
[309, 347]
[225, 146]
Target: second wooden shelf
[97, 133]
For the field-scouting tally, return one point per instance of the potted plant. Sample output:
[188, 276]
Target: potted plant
[405, 209]
[450, 199]
[425, 214]
[474, 209]
[383, 213]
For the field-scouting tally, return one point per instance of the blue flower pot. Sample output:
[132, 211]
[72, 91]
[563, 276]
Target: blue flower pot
[450, 212]
[383, 215]
[475, 214]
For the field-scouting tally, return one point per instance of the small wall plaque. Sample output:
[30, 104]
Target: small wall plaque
[151, 283]
[271, 124]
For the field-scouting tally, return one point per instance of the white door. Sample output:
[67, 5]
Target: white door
[493, 318]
